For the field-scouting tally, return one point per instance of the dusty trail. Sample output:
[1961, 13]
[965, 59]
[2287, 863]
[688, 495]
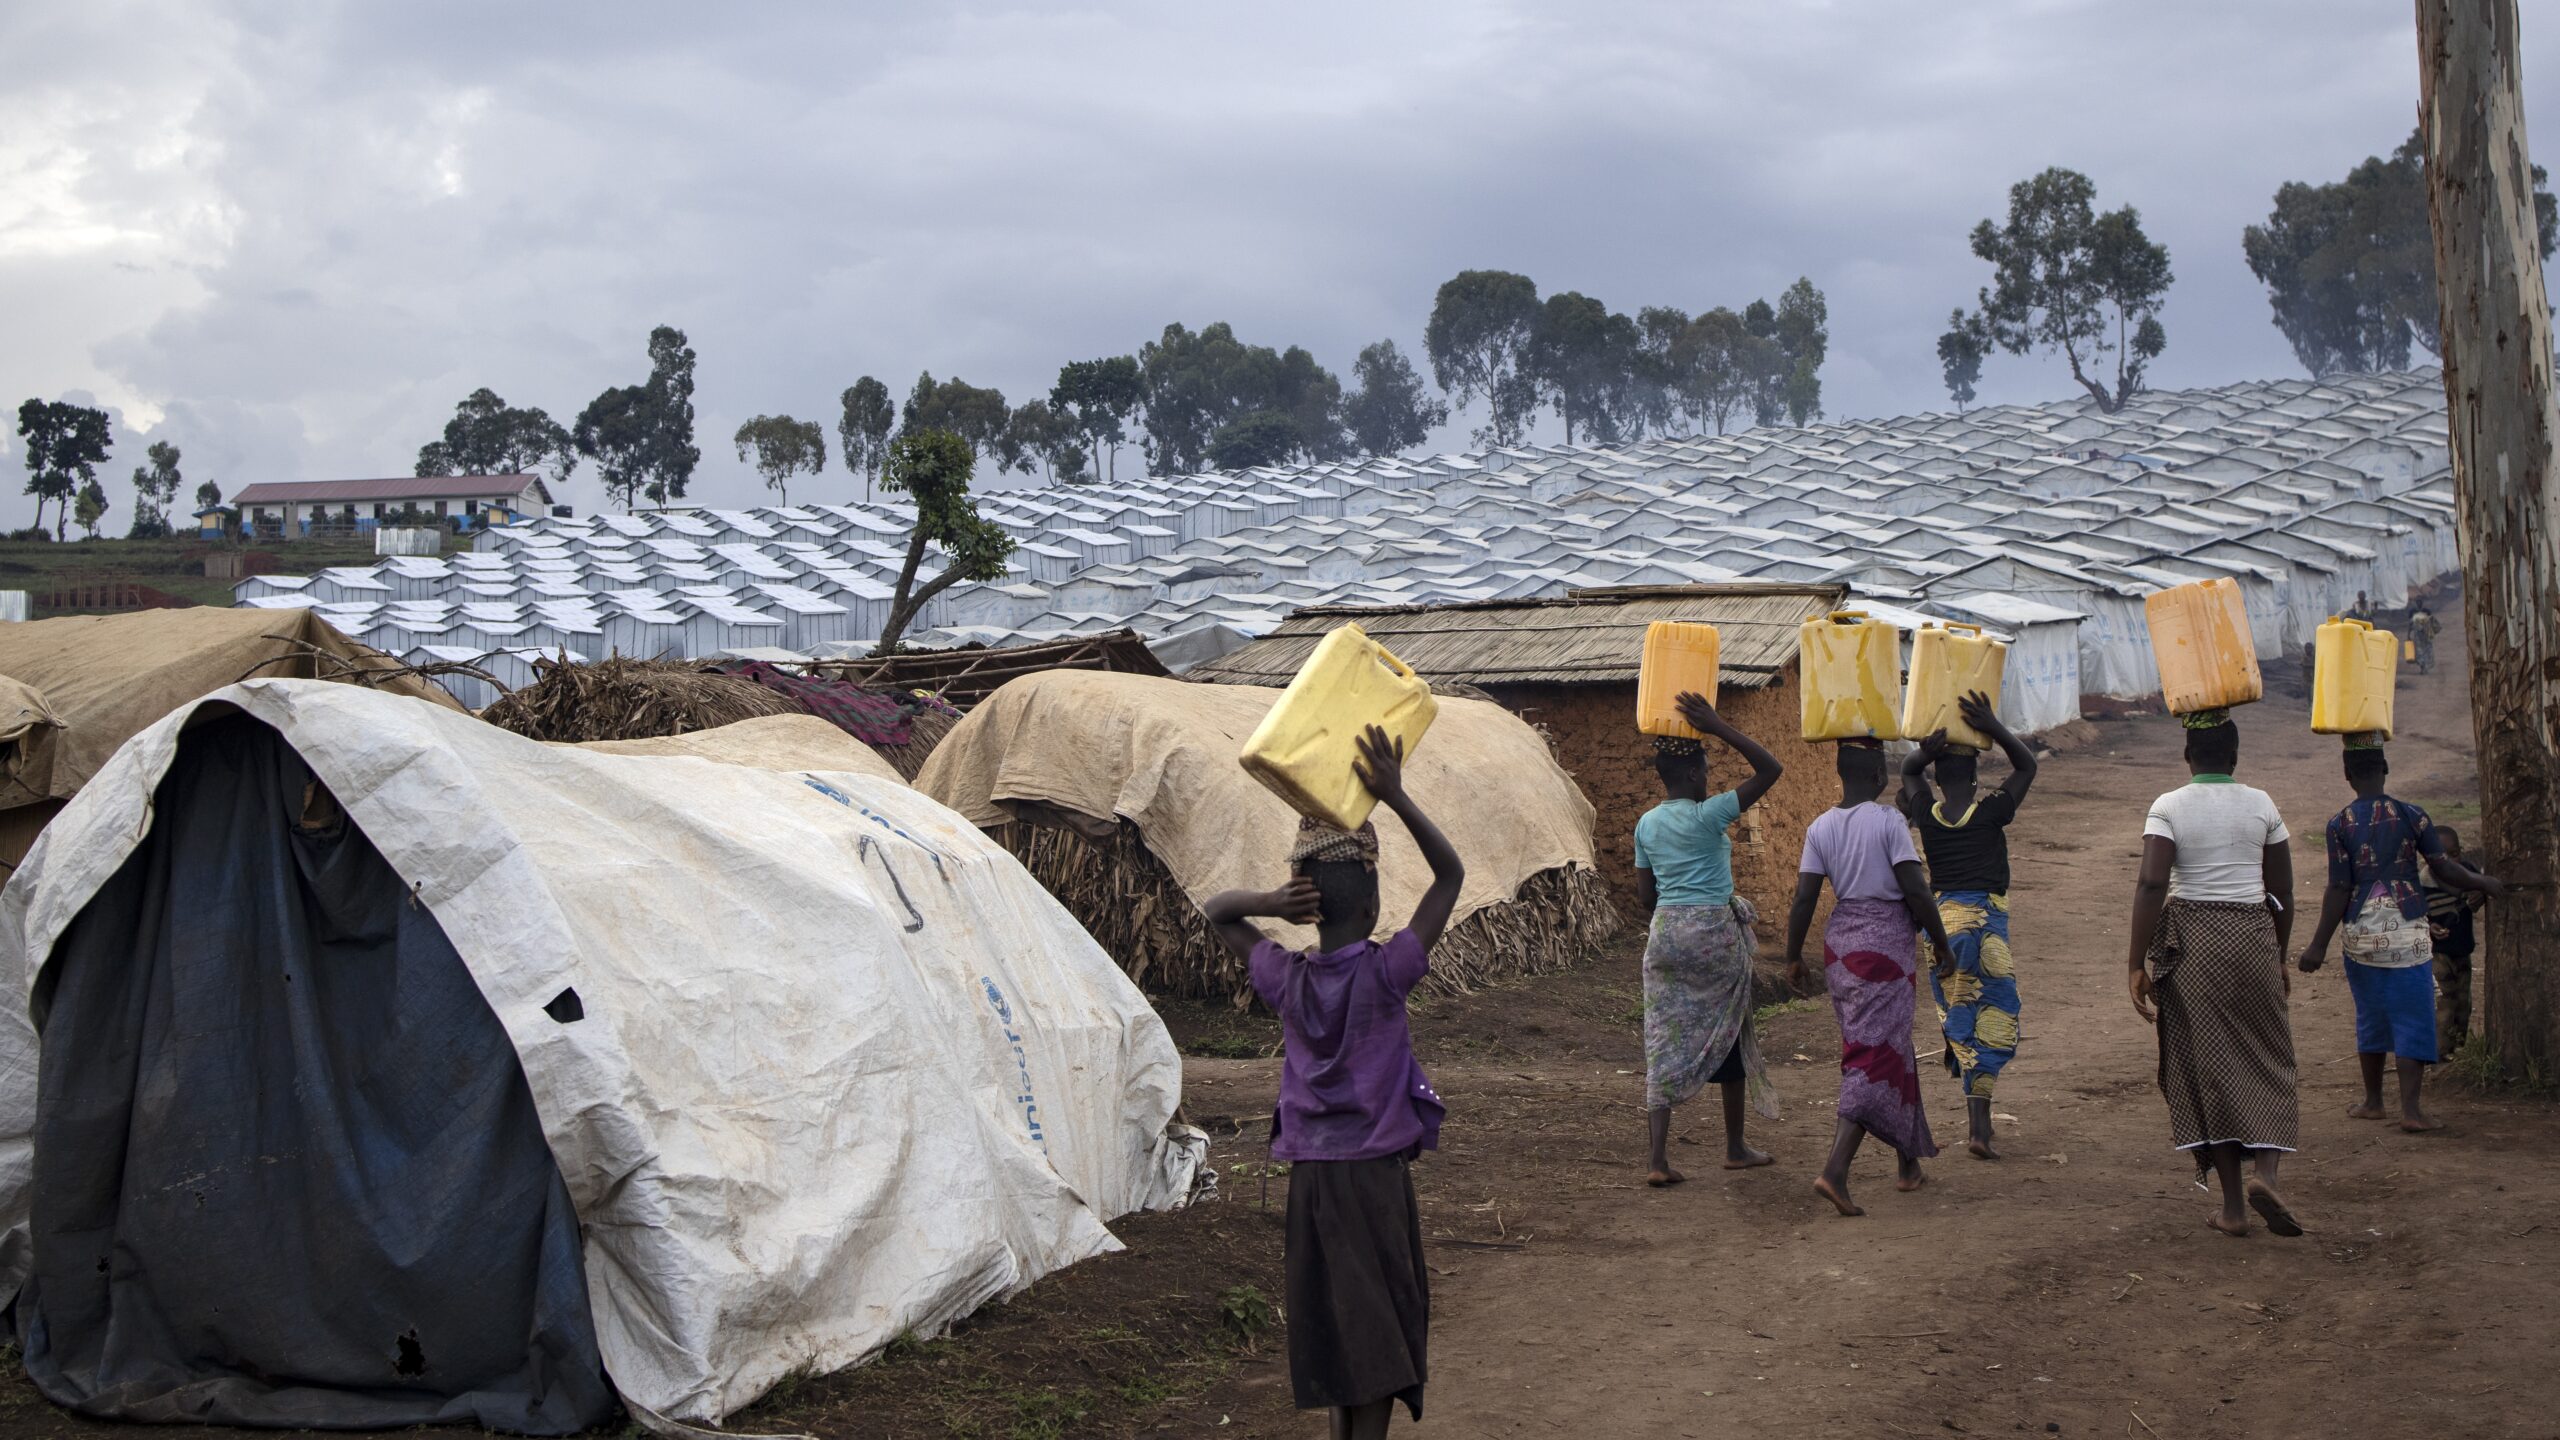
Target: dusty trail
[2072, 1284]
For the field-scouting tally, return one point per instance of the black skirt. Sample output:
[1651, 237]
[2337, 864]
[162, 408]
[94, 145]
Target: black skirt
[1359, 1298]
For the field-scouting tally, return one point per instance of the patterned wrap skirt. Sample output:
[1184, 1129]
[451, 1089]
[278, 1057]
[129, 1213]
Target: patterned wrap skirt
[1978, 1004]
[1697, 1005]
[1869, 954]
[2226, 1037]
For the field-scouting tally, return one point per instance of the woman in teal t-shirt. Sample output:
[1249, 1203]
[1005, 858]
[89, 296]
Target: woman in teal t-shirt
[1697, 961]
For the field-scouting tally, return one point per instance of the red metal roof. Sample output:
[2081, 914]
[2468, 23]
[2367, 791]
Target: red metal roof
[406, 487]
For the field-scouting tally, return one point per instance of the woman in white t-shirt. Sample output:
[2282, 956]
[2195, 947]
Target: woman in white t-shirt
[2212, 917]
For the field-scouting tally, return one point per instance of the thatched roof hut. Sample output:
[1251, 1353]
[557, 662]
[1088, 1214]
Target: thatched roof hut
[1123, 795]
[581, 702]
[624, 699]
[85, 684]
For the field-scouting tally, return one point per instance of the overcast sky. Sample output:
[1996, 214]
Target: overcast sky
[289, 237]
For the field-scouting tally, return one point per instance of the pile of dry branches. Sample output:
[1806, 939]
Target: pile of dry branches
[624, 699]
[1126, 899]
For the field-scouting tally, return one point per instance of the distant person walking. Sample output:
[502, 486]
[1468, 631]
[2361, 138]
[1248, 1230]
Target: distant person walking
[2454, 936]
[1701, 942]
[2375, 845]
[2423, 630]
[1355, 1107]
[2361, 610]
[1869, 961]
[1965, 836]
[2212, 913]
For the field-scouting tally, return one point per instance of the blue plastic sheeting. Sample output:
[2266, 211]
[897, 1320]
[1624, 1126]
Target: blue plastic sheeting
[288, 1172]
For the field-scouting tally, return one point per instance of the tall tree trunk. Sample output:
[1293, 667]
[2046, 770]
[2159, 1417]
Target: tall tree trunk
[2496, 334]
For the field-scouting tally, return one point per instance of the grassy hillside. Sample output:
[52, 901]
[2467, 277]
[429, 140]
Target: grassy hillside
[173, 567]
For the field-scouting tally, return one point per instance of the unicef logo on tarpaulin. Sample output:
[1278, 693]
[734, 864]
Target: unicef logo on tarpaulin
[1023, 1095]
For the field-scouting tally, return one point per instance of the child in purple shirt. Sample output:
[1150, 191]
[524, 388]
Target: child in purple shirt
[1354, 1106]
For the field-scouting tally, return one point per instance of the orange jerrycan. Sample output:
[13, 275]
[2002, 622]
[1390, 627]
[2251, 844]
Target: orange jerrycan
[2354, 669]
[1947, 665]
[1851, 668]
[1304, 747]
[2200, 637]
[1679, 658]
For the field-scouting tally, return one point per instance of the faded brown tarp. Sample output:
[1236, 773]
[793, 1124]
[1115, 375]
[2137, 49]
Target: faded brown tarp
[768, 742]
[107, 677]
[29, 733]
[1161, 754]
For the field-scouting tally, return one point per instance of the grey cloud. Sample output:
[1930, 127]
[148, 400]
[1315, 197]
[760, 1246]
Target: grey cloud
[819, 192]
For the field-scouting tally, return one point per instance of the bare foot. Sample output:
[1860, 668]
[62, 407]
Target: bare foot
[1837, 1194]
[2272, 1209]
[1980, 1148]
[2237, 1229]
[2371, 1110]
[1664, 1176]
[1908, 1176]
[2420, 1122]
[1749, 1159]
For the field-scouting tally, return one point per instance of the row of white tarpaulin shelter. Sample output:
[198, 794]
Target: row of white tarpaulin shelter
[2304, 492]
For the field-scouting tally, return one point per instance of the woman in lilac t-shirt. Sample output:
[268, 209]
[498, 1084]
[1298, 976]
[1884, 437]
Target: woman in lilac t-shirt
[1870, 960]
[1354, 1106]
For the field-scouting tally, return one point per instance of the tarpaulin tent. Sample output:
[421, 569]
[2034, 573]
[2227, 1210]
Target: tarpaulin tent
[770, 742]
[105, 677]
[29, 734]
[1090, 756]
[812, 1064]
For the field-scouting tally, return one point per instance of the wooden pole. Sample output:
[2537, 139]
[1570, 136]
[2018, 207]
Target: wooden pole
[2496, 323]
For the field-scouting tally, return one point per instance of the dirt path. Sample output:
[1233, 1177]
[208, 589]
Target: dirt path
[2071, 1286]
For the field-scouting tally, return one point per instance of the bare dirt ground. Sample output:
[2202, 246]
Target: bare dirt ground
[2071, 1288]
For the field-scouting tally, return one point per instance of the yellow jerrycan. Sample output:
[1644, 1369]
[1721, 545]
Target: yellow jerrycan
[1947, 665]
[2200, 637]
[1679, 659]
[2354, 668]
[1851, 668]
[1304, 747]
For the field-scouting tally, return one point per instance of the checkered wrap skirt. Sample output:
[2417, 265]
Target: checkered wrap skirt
[2226, 1038]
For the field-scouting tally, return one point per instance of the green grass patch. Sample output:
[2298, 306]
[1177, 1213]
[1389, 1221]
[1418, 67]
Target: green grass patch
[1767, 1013]
[2461, 812]
[1048, 1414]
[1231, 1046]
[172, 567]
[2477, 1066]
[1246, 1313]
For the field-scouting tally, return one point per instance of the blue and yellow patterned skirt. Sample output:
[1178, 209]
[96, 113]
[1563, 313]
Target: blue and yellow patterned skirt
[1978, 1004]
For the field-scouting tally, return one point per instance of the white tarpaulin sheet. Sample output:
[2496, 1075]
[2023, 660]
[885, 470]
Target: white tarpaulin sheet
[845, 1070]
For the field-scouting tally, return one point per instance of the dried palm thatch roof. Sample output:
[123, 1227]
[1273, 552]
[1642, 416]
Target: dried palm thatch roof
[925, 730]
[624, 699]
[969, 674]
[1589, 637]
[1130, 903]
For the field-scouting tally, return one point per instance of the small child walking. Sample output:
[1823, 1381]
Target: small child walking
[2450, 917]
[1355, 1107]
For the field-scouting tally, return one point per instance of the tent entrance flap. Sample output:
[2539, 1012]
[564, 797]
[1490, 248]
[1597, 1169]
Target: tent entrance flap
[288, 1170]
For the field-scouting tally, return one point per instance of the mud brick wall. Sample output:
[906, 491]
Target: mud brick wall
[1593, 730]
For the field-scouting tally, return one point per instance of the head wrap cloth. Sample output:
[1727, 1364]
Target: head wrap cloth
[2205, 719]
[1321, 843]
